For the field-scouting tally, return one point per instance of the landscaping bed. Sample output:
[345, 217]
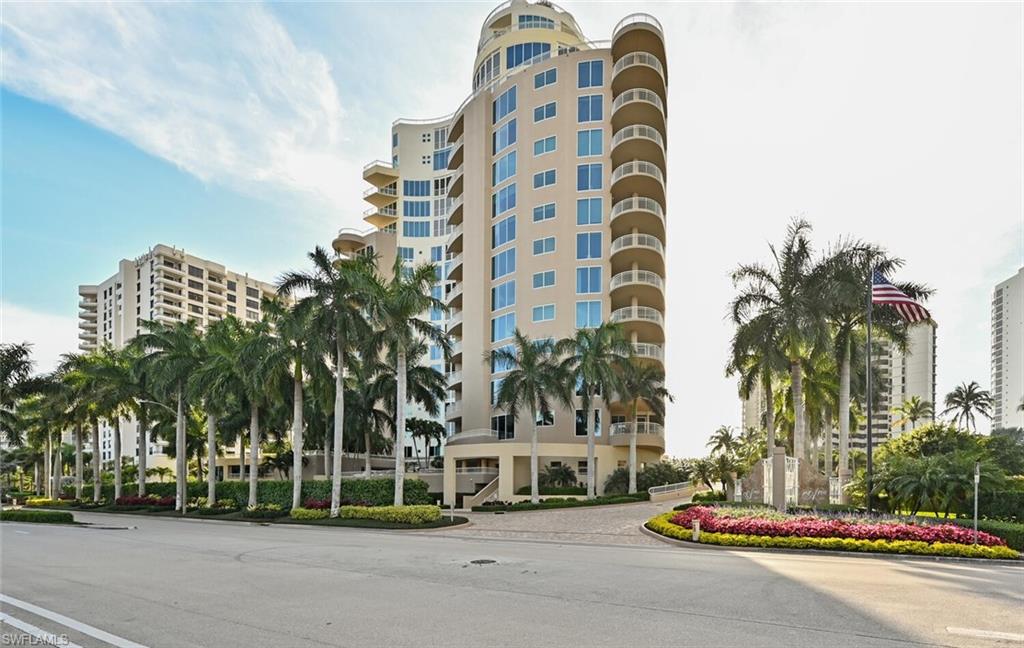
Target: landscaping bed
[37, 516]
[559, 502]
[736, 526]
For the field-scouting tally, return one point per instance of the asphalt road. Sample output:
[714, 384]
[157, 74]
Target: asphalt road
[195, 583]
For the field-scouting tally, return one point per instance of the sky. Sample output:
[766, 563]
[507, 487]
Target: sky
[238, 131]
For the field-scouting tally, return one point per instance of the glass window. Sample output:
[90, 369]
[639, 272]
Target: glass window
[590, 74]
[547, 111]
[588, 280]
[504, 425]
[581, 428]
[545, 78]
[503, 295]
[588, 245]
[546, 418]
[503, 200]
[544, 313]
[503, 232]
[406, 253]
[503, 326]
[589, 142]
[544, 145]
[588, 314]
[535, 22]
[588, 177]
[504, 105]
[436, 253]
[544, 179]
[521, 53]
[589, 108]
[435, 352]
[416, 208]
[544, 245]
[543, 212]
[503, 169]
[394, 140]
[436, 314]
[416, 228]
[588, 211]
[504, 136]
[500, 366]
[544, 279]
[441, 159]
[416, 187]
[503, 263]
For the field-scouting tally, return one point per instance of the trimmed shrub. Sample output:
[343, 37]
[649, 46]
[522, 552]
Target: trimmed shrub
[309, 513]
[1011, 532]
[264, 511]
[43, 517]
[750, 505]
[554, 490]
[215, 510]
[152, 501]
[560, 502]
[660, 524]
[414, 514]
[708, 496]
[47, 502]
[1005, 505]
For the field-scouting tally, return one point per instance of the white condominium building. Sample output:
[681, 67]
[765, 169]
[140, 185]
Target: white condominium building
[1008, 352]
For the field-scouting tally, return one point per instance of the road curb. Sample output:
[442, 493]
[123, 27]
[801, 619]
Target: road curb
[824, 552]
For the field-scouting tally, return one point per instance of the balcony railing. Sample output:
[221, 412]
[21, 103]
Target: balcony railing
[637, 277]
[637, 203]
[639, 58]
[638, 313]
[642, 427]
[638, 94]
[637, 131]
[637, 167]
[635, 19]
[481, 433]
[637, 240]
[648, 350]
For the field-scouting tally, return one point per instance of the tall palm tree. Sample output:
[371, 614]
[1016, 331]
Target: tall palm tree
[171, 353]
[535, 382]
[911, 411]
[966, 400]
[83, 374]
[786, 293]
[340, 290]
[16, 383]
[369, 392]
[641, 382]
[723, 441]
[397, 312]
[116, 397]
[68, 369]
[593, 358]
[757, 357]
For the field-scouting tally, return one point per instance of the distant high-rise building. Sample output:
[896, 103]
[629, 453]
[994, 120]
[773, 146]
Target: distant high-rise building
[1008, 352]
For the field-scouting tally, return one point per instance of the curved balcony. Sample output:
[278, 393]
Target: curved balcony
[645, 286]
[648, 351]
[456, 214]
[648, 434]
[640, 213]
[456, 351]
[88, 315]
[644, 250]
[482, 435]
[455, 274]
[455, 190]
[380, 173]
[454, 242]
[648, 323]
[638, 178]
[454, 297]
[455, 323]
[639, 32]
[455, 160]
[453, 411]
[639, 70]
[638, 142]
[457, 126]
[381, 196]
[639, 107]
[454, 378]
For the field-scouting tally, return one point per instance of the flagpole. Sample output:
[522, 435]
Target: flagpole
[869, 471]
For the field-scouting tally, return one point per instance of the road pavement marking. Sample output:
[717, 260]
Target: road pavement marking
[986, 634]
[84, 628]
[38, 633]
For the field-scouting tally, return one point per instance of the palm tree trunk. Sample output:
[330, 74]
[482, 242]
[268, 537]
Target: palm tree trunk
[828, 446]
[591, 477]
[366, 451]
[254, 447]
[297, 424]
[97, 482]
[181, 462]
[632, 450]
[37, 486]
[58, 469]
[416, 449]
[534, 460]
[117, 457]
[400, 429]
[844, 411]
[79, 461]
[211, 457]
[48, 466]
[797, 376]
[769, 414]
[241, 456]
[339, 422]
[327, 450]
[143, 449]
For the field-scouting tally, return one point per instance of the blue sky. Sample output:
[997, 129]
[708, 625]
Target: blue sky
[238, 131]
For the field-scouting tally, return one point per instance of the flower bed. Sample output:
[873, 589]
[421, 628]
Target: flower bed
[780, 525]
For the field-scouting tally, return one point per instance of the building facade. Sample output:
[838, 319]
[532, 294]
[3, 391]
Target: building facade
[1008, 352]
[168, 285]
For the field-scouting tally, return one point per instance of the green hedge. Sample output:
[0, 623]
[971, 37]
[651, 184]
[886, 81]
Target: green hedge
[1012, 532]
[1001, 505]
[376, 491]
[708, 496]
[417, 514]
[555, 490]
[45, 517]
[559, 502]
[683, 507]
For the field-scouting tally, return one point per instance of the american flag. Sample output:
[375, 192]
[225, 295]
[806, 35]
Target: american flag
[883, 292]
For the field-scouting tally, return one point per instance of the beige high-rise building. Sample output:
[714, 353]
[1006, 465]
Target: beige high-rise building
[164, 285]
[553, 219]
[1008, 353]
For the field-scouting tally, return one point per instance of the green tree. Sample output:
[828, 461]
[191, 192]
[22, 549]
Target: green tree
[723, 441]
[424, 429]
[369, 394]
[911, 411]
[560, 476]
[339, 291]
[161, 472]
[702, 471]
[16, 383]
[1006, 447]
[534, 382]
[966, 400]
[594, 358]
[116, 397]
[641, 382]
[757, 358]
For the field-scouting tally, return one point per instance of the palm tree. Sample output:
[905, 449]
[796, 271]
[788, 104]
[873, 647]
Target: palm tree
[396, 310]
[911, 411]
[966, 400]
[340, 290]
[593, 358]
[369, 392]
[787, 294]
[702, 471]
[425, 429]
[561, 475]
[83, 374]
[162, 472]
[535, 382]
[757, 357]
[750, 446]
[723, 441]
[171, 352]
[15, 384]
[641, 382]
[116, 397]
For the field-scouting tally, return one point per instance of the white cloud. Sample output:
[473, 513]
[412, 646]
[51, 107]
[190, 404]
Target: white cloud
[220, 90]
[50, 335]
